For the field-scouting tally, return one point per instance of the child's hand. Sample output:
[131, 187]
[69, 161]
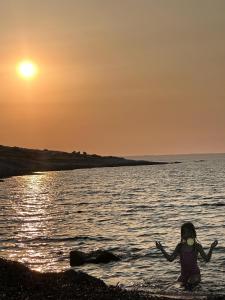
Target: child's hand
[214, 244]
[159, 245]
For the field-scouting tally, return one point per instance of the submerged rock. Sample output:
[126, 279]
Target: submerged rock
[78, 258]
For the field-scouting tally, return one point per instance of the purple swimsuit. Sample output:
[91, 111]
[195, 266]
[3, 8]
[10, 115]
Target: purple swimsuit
[189, 265]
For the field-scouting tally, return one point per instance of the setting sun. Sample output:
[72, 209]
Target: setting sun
[27, 69]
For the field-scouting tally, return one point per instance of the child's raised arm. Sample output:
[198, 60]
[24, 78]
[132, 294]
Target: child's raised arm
[169, 257]
[205, 256]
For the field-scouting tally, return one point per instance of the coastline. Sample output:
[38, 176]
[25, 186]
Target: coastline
[19, 282]
[15, 161]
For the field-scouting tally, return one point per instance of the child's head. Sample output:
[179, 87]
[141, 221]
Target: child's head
[188, 231]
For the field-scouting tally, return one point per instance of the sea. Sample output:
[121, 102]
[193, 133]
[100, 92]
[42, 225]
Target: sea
[121, 209]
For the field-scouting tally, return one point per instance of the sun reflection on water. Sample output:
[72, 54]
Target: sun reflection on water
[33, 219]
[43, 217]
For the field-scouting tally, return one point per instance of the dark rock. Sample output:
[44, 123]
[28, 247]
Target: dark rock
[17, 282]
[17, 279]
[78, 258]
[103, 256]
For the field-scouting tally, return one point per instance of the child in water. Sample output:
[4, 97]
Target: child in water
[188, 250]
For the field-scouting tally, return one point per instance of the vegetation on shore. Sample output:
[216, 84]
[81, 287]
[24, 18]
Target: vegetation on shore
[16, 161]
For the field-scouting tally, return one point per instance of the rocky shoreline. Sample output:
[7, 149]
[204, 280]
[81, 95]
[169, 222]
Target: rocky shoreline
[18, 282]
[15, 161]
[21, 283]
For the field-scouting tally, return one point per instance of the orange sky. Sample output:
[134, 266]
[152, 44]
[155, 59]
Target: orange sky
[115, 77]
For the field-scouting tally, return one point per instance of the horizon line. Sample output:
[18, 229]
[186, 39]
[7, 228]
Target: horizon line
[123, 155]
[176, 154]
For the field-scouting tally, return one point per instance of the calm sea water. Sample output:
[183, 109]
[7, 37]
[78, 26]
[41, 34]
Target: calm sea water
[124, 210]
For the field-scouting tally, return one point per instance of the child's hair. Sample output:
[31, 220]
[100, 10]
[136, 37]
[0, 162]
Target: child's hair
[188, 226]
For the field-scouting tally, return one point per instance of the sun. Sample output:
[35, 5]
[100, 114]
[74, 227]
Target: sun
[27, 69]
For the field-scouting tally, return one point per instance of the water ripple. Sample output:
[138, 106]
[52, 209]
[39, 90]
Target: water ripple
[43, 217]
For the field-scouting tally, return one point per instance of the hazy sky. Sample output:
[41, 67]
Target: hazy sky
[115, 77]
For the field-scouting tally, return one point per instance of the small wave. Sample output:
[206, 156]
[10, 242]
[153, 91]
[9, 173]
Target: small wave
[218, 204]
[138, 190]
[212, 204]
[221, 197]
[152, 255]
[220, 249]
[56, 239]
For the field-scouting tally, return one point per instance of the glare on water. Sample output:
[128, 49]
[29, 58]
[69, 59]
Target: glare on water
[44, 216]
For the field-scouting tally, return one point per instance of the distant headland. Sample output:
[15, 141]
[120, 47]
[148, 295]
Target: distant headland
[16, 161]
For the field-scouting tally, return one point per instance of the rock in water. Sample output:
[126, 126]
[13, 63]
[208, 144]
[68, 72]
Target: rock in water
[19, 282]
[78, 258]
[103, 256]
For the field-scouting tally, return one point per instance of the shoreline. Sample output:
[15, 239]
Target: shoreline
[15, 161]
[20, 282]
[17, 281]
